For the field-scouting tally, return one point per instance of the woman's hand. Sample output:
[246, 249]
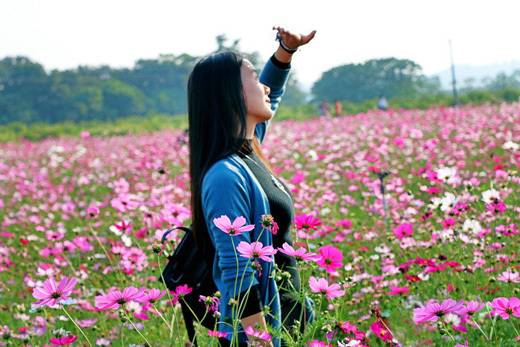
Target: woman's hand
[293, 40]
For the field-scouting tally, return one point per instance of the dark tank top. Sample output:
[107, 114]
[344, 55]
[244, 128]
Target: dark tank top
[282, 209]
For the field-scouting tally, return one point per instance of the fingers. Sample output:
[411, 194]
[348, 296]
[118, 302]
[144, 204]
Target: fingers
[309, 36]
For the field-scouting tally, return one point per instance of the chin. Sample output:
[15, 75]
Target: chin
[262, 117]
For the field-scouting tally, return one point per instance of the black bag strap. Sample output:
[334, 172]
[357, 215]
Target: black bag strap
[167, 232]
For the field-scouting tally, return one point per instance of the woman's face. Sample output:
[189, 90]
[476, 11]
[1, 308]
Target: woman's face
[255, 93]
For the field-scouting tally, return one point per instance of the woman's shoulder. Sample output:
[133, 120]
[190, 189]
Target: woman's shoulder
[224, 171]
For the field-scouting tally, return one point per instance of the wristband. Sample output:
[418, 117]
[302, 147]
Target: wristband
[282, 44]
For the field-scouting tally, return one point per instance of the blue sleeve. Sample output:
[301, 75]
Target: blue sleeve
[275, 78]
[224, 192]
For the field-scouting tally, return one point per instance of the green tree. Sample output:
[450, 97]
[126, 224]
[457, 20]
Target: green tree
[391, 77]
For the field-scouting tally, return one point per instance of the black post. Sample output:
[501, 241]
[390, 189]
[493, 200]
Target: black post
[453, 79]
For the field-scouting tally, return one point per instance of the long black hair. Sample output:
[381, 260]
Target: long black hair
[217, 125]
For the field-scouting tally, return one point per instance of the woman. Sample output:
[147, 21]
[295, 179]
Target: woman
[230, 109]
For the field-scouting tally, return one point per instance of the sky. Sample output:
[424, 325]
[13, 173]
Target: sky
[66, 33]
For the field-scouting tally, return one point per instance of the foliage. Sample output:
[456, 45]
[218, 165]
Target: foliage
[391, 77]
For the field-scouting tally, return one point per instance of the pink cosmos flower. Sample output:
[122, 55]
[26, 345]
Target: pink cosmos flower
[504, 307]
[380, 330]
[331, 258]
[509, 276]
[85, 323]
[51, 293]
[211, 302]
[299, 254]
[256, 250]
[433, 310]
[318, 343]
[217, 333]
[394, 290]
[236, 228]
[262, 335]
[322, 286]
[403, 230]
[182, 290]
[306, 222]
[63, 341]
[153, 295]
[471, 307]
[92, 211]
[115, 298]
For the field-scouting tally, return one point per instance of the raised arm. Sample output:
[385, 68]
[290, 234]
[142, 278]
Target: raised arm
[276, 71]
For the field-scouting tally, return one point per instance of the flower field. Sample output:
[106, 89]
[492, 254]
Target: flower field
[406, 232]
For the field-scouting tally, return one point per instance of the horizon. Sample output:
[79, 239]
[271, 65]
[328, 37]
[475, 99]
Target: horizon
[63, 35]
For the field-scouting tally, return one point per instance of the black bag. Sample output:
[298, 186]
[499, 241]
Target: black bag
[187, 265]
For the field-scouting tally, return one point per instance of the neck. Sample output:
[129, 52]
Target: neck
[250, 124]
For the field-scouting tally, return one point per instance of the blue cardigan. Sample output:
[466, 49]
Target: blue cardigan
[230, 188]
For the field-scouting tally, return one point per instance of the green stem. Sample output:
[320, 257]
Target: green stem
[514, 328]
[169, 294]
[114, 268]
[480, 328]
[162, 317]
[446, 329]
[144, 338]
[121, 335]
[77, 326]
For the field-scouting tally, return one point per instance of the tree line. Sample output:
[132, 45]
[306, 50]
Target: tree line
[158, 86]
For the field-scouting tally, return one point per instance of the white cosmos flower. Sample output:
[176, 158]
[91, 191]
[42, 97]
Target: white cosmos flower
[448, 201]
[471, 225]
[447, 174]
[452, 318]
[115, 230]
[126, 240]
[489, 195]
[510, 145]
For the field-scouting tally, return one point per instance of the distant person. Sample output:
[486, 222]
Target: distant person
[382, 104]
[338, 108]
[324, 109]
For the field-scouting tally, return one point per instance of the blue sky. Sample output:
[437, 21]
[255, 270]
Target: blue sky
[66, 33]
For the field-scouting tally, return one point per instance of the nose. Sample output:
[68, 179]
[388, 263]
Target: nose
[267, 89]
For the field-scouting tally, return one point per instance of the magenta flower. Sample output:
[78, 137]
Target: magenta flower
[403, 230]
[331, 258]
[299, 254]
[216, 333]
[153, 295]
[256, 250]
[471, 307]
[211, 302]
[236, 228]
[92, 211]
[394, 290]
[380, 330]
[504, 307]
[51, 294]
[182, 290]
[318, 343]
[63, 341]
[306, 222]
[115, 298]
[262, 335]
[433, 310]
[322, 286]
